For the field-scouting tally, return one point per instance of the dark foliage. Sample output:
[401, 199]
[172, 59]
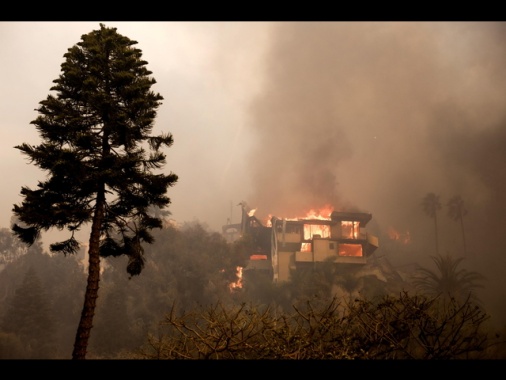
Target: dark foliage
[99, 156]
[28, 317]
[402, 327]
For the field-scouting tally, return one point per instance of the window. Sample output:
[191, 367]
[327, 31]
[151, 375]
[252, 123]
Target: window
[290, 228]
[293, 228]
[258, 257]
[306, 247]
[310, 230]
[350, 230]
[354, 250]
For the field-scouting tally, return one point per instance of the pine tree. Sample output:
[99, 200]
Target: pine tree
[10, 247]
[100, 158]
[28, 317]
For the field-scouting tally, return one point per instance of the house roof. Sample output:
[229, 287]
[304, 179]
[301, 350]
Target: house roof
[361, 217]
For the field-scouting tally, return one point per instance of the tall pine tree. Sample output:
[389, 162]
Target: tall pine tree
[100, 157]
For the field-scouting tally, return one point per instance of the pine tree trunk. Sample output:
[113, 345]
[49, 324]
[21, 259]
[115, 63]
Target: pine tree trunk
[91, 295]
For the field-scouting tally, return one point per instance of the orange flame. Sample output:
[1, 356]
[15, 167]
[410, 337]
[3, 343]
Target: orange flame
[321, 214]
[396, 235]
[237, 284]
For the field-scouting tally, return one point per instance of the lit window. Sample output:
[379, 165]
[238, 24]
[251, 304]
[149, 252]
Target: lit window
[350, 230]
[306, 247]
[354, 250]
[316, 229]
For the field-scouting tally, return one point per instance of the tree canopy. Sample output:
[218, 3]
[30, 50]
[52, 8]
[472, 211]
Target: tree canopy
[100, 158]
[449, 280]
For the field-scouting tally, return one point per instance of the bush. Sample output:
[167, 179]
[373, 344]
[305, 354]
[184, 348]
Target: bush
[403, 327]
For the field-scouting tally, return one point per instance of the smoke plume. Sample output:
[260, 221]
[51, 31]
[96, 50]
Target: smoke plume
[372, 116]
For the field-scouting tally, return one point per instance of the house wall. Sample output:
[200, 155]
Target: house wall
[286, 260]
[323, 249]
[288, 246]
[335, 231]
[289, 237]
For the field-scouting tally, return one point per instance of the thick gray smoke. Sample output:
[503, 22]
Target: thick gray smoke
[373, 116]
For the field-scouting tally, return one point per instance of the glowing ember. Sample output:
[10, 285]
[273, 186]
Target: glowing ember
[258, 257]
[396, 235]
[238, 283]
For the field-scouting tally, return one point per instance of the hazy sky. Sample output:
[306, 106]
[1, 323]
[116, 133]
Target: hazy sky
[290, 116]
[206, 72]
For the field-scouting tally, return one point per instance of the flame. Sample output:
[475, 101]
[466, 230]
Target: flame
[252, 212]
[396, 235]
[258, 257]
[321, 214]
[237, 284]
[350, 229]
[310, 230]
[393, 233]
[305, 247]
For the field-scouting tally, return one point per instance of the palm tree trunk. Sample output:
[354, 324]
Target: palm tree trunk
[436, 234]
[463, 235]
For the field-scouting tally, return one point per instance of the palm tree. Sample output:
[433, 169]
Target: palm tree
[431, 205]
[457, 211]
[448, 280]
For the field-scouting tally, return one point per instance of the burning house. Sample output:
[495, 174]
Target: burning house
[284, 245]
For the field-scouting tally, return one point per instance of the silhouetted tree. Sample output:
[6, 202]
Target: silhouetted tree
[29, 317]
[200, 264]
[418, 327]
[63, 280]
[113, 322]
[448, 281]
[10, 247]
[160, 213]
[99, 154]
[431, 205]
[457, 211]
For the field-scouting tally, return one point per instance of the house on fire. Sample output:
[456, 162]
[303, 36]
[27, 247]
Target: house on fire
[289, 244]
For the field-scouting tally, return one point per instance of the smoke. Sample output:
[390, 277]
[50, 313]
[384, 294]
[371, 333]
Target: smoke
[372, 116]
[375, 115]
